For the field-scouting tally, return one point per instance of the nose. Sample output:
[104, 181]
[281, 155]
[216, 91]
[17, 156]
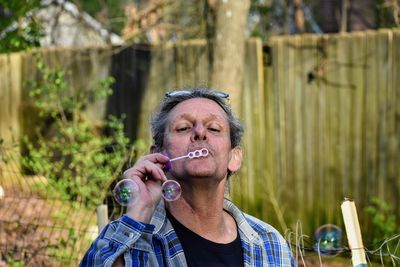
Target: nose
[199, 133]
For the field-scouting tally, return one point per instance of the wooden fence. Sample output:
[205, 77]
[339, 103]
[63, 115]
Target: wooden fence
[332, 115]
[322, 122]
[322, 115]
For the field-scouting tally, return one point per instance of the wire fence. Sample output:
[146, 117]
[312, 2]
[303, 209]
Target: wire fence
[38, 229]
[332, 249]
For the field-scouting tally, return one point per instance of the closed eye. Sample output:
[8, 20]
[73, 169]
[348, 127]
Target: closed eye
[182, 129]
[214, 129]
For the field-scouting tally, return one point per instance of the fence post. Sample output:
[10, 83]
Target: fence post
[102, 216]
[353, 233]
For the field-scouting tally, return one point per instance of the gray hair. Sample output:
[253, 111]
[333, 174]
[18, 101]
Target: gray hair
[159, 119]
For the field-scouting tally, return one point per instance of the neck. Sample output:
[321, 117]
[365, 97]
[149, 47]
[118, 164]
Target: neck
[200, 209]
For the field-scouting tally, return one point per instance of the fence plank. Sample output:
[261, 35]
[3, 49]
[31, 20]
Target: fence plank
[371, 113]
[358, 62]
[10, 119]
[345, 94]
[383, 71]
[10, 97]
[270, 158]
[252, 183]
[330, 86]
[393, 119]
[310, 101]
[279, 86]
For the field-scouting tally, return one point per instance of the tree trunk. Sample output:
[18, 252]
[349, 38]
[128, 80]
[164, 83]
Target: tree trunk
[299, 15]
[362, 15]
[347, 15]
[330, 15]
[343, 19]
[229, 48]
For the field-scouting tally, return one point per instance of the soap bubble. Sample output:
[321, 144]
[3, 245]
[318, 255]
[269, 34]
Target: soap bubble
[125, 192]
[328, 240]
[171, 190]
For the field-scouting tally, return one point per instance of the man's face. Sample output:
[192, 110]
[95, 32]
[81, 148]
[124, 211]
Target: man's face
[194, 124]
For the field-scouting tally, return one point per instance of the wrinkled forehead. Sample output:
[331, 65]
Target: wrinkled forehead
[198, 107]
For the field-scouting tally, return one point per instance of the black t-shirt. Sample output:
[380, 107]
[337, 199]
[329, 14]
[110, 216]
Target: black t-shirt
[202, 252]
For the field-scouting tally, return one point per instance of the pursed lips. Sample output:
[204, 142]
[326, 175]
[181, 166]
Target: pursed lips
[192, 149]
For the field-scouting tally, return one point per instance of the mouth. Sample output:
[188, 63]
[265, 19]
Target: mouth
[199, 153]
[192, 149]
[199, 147]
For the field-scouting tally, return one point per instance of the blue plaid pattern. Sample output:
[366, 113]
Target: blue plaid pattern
[156, 244]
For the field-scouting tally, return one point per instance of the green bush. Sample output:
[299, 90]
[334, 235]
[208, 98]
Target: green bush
[18, 30]
[78, 160]
[384, 233]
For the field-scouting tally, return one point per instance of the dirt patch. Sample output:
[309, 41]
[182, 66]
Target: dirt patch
[311, 261]
[22, 238]
[34, 232]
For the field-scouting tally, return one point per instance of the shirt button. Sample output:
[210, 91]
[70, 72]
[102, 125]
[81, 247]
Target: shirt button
[130, 235]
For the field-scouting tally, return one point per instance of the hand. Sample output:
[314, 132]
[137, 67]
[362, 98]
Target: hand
[148, 174]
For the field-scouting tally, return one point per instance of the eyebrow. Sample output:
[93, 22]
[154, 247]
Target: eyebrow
[208, 117]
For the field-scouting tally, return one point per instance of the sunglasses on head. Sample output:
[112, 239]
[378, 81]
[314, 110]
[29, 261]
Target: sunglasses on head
[188, 92]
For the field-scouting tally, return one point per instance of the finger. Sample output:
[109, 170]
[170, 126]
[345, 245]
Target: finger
[162, 175]
[155, 173]
[147, 170]
[156, 158]
[159, 159]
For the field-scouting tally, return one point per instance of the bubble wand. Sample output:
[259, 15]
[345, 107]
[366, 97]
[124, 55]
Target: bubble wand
[126, 190]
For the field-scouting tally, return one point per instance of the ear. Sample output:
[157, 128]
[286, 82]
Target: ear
[235, 159]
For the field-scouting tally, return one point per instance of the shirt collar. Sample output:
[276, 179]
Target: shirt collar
[159, 220]
[245, 229]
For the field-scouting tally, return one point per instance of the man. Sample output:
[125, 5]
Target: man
[201, 228]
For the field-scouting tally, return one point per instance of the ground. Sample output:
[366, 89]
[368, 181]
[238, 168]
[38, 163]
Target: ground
[28, 225]
[33, 231]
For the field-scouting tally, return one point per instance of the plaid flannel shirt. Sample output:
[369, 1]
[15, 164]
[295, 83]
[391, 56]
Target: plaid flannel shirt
[156, 244]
